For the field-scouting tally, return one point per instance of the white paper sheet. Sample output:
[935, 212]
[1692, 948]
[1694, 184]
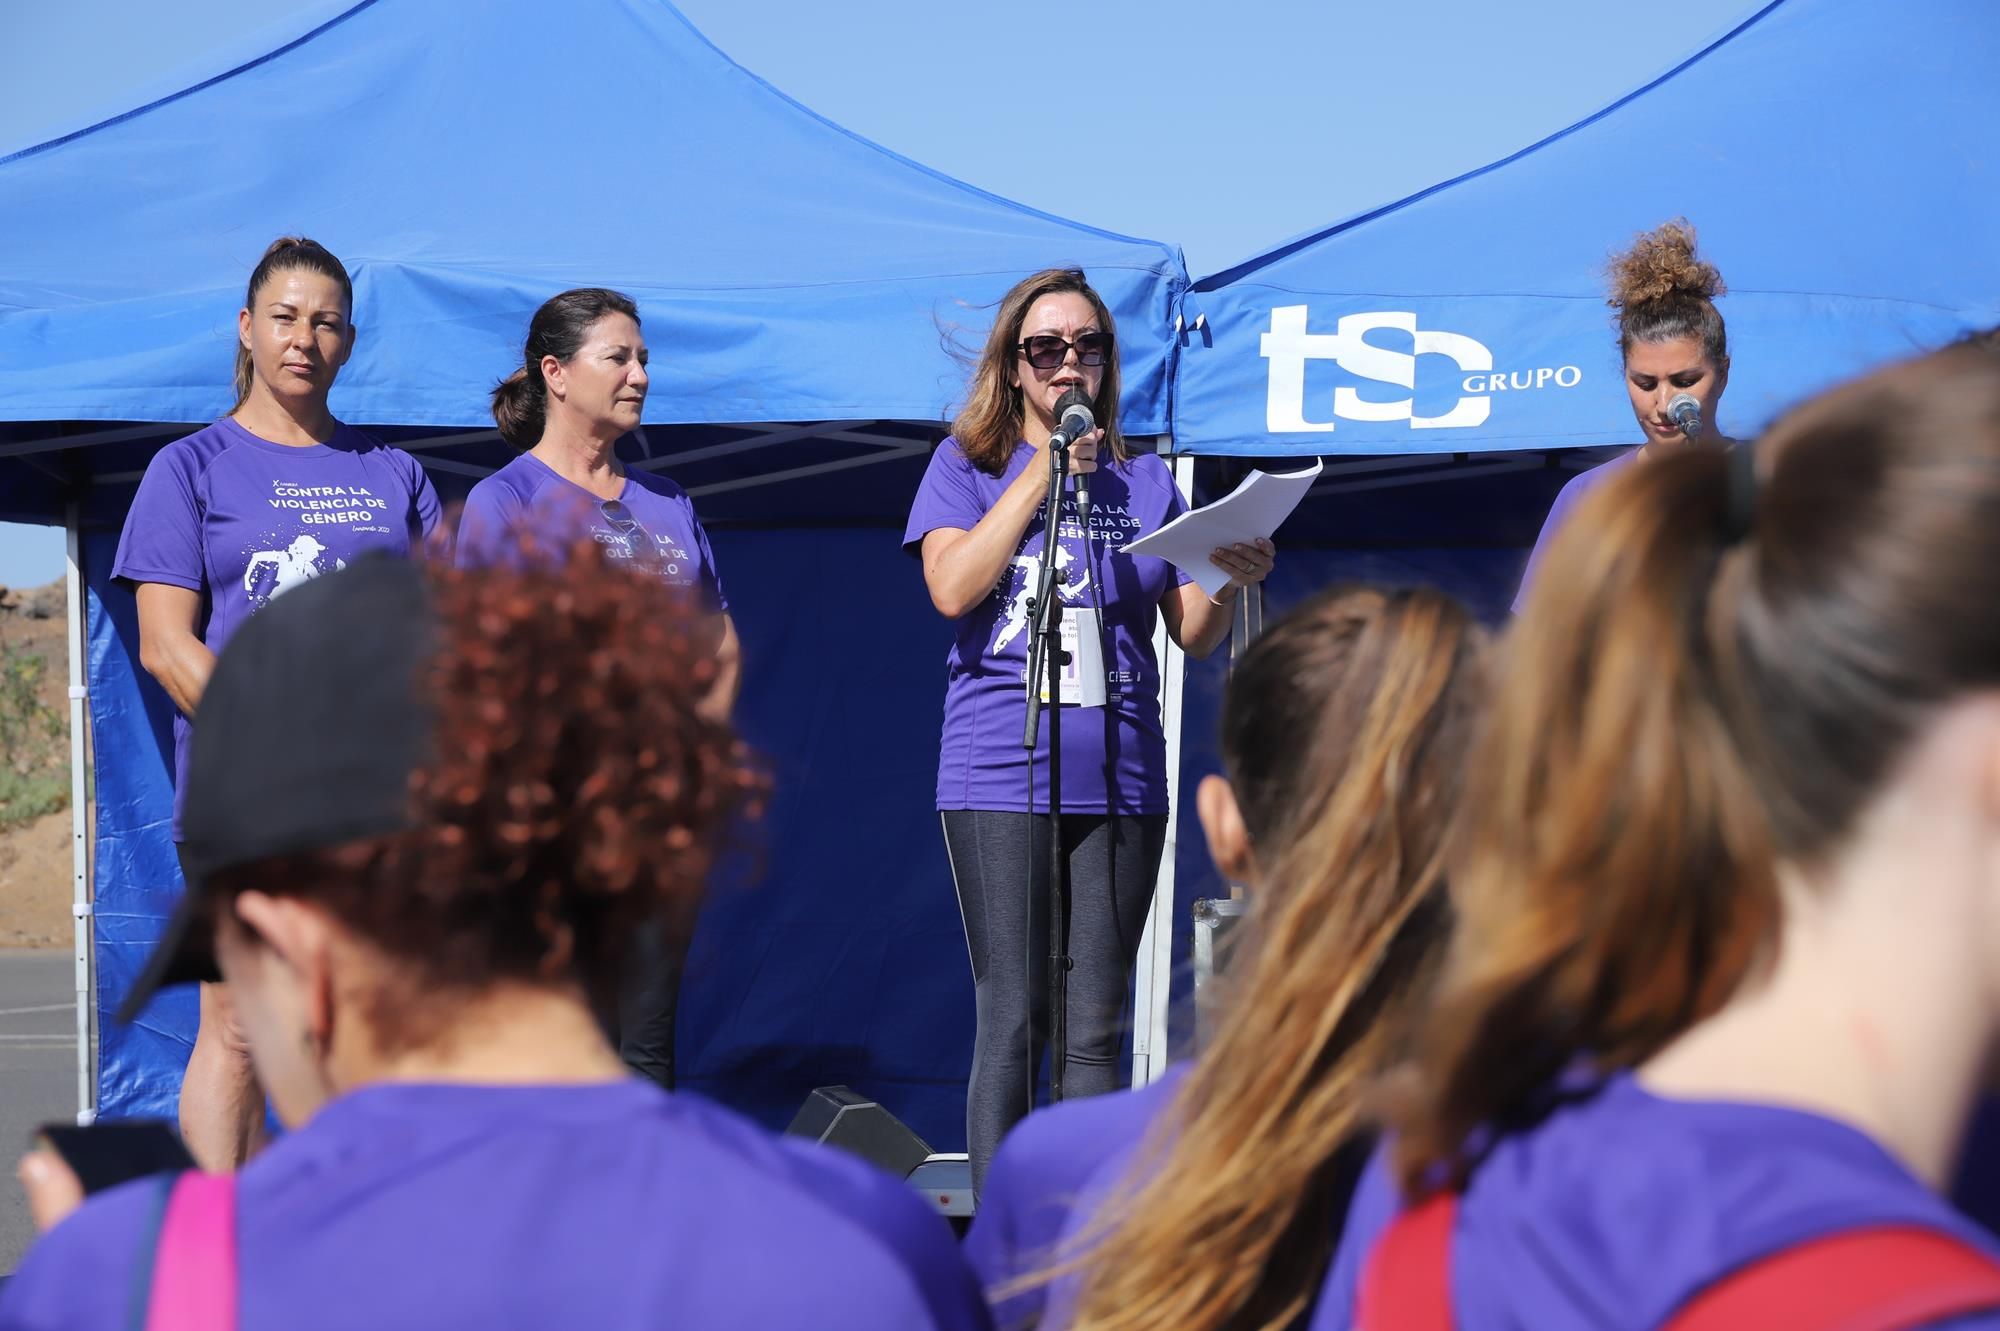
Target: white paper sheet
[1253, 509]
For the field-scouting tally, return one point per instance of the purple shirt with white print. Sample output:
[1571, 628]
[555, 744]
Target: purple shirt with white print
[242, 520]
[1114, 757]
[527, 499]
[616, 1207]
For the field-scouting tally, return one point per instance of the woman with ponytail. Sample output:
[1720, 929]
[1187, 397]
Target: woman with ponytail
[269, 497]
[580, 388]
[1671, 340]
[1721, 995]
[1213, 1199]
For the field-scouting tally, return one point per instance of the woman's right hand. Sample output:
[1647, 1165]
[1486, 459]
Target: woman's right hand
[1082, 455]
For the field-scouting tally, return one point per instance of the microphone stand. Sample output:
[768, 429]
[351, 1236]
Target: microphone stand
[1045, 661]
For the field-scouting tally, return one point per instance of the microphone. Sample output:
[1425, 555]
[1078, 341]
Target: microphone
[1073, 421]
[1685, 412]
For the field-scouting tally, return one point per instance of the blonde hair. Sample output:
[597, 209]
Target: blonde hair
[1226, 1217]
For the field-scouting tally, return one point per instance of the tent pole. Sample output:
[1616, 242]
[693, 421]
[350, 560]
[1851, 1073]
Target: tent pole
[79, 817]
[1153, 980]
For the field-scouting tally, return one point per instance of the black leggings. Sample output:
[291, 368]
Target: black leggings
[643, 1029]
[1003, 887]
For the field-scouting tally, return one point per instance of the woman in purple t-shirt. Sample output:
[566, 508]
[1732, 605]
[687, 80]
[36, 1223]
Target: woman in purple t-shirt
[1671, 340]
[267, 498]
[977, 525]
[452, 858]
[579, 390]
[1729, 891]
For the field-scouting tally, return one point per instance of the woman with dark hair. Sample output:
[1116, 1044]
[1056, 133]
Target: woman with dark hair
[417, 954]
[1721, 995]
[272, 495]
[580, 389]
[977, 525]
[1671, 340]
[1213, 1198]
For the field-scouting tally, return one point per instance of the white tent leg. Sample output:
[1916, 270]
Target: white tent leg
[1153, 980]
[79, 823]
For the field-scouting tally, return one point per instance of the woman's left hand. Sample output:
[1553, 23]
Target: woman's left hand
[1246, 563]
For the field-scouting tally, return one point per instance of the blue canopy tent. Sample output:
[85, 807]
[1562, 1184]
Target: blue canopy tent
[807, 296]
[1836, 155]
[1838, 159]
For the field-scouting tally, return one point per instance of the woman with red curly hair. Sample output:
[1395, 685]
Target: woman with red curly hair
[418, 864]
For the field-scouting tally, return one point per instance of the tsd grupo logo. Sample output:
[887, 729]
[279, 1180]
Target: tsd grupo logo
[1288, 346]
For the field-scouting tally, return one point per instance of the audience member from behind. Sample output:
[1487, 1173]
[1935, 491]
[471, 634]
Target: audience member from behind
[1343, 735]
[414, 864]
[1671, 340]
[1729, 901]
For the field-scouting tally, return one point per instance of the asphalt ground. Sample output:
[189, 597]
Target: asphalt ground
[37, 1072]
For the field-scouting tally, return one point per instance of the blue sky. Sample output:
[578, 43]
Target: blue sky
[1222, 127]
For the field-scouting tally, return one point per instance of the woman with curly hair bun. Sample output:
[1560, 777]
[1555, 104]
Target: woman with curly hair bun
[417, 865]
[1671, 340]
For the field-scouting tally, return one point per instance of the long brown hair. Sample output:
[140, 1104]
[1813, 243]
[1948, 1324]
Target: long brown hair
[1697, 689]
[989, 425]
[1344, 735]
[286, 254]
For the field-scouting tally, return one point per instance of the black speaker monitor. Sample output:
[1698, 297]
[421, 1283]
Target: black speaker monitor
[840, 1117]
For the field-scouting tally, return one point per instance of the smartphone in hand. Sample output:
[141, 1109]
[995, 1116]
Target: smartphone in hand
[105, 1155]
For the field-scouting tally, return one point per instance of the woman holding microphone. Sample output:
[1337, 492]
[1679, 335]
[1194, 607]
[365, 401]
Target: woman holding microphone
[977, 525]
[1671, 340]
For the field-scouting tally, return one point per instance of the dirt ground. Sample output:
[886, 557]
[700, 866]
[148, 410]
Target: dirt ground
[35, 855]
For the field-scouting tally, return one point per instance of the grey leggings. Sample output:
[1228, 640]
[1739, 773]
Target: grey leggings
[1003, 884]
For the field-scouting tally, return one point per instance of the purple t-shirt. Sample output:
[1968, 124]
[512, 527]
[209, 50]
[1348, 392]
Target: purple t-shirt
[526, 498]
[1567, 499]
[241, 520]
[1115, 757]
[617, 1207]
[1621, 1204]
[1042, 1174]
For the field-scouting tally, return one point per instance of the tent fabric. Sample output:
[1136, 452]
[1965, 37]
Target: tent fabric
[469, 160]
[1836, 157]
[812, 302]
[834, 953]
[136, 878]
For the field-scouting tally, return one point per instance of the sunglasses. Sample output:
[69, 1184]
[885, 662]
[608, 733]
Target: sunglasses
[1046, 351]
[620, 517]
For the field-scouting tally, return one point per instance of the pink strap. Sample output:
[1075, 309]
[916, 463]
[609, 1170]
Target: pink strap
[194, 1264]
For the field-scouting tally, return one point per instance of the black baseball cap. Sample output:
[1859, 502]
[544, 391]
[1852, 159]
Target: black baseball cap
[305, 738]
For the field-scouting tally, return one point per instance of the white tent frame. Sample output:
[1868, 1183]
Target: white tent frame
[83, 920]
